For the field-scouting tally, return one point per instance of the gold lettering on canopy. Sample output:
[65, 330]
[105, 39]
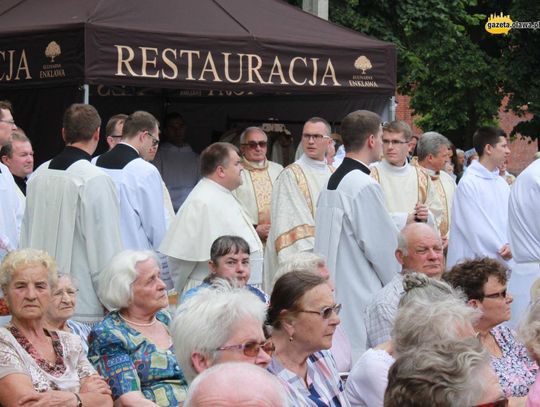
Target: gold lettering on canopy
[291, 70]
[146, 61]
[203, 66]
[121, 61]
[13, 59]
[190, 62]
[212, 69]
[279, 72]
[169, 63]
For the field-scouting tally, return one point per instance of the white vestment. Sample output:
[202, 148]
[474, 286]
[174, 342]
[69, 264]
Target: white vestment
[179, 168]
[73, 214]
[294, 200]
[479, 215]
[255, 193]
[403, 187]
[445, 187]
[524, 234]
[11, 212]
[210, 211]
[143, 218]
[358, 237]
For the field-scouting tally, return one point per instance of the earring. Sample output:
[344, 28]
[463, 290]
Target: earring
[291, 338]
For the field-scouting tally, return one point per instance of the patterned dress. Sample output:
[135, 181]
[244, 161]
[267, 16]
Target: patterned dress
[18, 355]
[515, 369]
[131, 362]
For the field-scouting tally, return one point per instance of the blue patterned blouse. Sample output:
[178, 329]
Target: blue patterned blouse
[128, 361]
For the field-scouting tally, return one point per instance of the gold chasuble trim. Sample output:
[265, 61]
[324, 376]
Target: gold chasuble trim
[303, 186]
[443, 226]
[290, 237]
[422, 184]
[262, 186]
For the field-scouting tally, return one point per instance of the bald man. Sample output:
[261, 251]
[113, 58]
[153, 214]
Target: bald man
[218, 387]
[420, 249]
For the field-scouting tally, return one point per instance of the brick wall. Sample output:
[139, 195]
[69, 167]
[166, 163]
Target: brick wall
[523, 149]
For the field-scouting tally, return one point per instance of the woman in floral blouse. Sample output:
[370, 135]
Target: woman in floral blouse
[484, 282]
[132, 348]
[37, 365]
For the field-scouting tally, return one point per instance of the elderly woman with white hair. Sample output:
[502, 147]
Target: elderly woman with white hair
[132, 347]
[529, 333]
[448, 373]
[40, 366]
[429, 311]
[220, 324]
[316, 263]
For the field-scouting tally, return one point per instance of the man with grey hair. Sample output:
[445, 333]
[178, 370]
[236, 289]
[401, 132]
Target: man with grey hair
[294, 198]
[409, 193]
[143, 218]
[433, 149]
[258, 176]
[419, 250]
[220, 324]
[81, 228]
[354, 229]
[210, 211]
[219, 386]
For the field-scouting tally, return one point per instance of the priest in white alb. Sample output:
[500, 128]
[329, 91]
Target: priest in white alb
[294, 199]
[255, 193]
[479, 224]
[408, 191]
[524, 234]
[432, 150]
[354, 229]
[72, 211]
[210, 211]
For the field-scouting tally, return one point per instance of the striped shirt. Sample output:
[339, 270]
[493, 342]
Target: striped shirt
[324, 386]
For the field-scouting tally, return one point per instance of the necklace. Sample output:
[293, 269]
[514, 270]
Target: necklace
[154, 320]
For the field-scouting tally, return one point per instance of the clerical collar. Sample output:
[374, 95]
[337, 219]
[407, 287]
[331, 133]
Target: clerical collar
[127, 144]
[205, 179]
[252, 165]
[431, 173]
[68, 156]
[315, 165]
[403, 170]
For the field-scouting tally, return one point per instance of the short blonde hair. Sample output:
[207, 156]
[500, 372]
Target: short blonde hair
[529, 330]
[18, 259]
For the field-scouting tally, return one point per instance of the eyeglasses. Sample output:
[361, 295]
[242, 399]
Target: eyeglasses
[326, 312]
[501, 294]
[254, 144]
[251, 349]
[315, 137]
[155, 140]
[116, 136]
[394, 142]
[70, 292]
[12, 122]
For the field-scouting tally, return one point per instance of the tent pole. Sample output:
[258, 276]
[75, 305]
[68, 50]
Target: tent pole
[86, 97]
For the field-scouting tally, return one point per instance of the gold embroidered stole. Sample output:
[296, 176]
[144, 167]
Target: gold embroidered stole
[262, 187]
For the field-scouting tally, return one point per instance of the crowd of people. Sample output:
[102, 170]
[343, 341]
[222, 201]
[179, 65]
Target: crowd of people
[360, 274]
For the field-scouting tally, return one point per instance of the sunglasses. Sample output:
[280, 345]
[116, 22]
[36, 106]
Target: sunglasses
[251, 349]
[326, 312]
[254, 144]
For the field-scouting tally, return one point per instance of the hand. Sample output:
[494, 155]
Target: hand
[505, 252]
[50, 398]
[262, 230]
[95, 384]
[422, 212]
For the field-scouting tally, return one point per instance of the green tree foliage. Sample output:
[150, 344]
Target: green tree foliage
[454, 70]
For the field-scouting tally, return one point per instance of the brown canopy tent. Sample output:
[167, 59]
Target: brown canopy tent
[209, 58]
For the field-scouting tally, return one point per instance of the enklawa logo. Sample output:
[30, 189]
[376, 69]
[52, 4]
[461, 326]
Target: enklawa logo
[363, 64]
[53, 50]
[498, 24]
